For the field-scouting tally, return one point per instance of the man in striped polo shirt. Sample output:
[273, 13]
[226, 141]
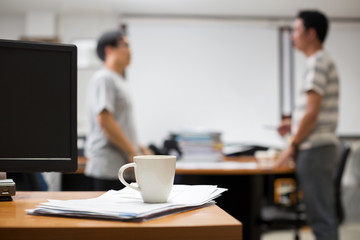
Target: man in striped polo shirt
[313, 123]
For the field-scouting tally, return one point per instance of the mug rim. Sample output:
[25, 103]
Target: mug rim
[154, 157]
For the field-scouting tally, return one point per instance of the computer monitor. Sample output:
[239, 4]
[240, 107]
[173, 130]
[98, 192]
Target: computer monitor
[38, 107]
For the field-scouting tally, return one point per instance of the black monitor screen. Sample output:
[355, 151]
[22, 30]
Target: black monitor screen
[38, 107]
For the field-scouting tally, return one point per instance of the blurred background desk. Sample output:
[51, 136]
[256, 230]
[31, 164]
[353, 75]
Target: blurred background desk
[230, 166]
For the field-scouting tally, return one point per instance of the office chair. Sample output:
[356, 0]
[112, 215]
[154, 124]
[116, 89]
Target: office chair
[293, 216]
[354, 171]
[345, 150]
[284, 216]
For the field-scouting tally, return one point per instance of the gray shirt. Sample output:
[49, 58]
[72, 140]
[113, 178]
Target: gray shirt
[107, 90]
[320, 76]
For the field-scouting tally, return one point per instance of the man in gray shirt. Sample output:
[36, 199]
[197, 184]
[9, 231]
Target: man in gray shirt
[111, 140]
[313, 124]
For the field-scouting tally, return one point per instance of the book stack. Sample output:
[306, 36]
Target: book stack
[200, 146]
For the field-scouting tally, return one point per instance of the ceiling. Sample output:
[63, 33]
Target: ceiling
[260, 8]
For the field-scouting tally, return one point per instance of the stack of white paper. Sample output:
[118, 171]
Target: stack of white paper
[199, 146]
[127, 204]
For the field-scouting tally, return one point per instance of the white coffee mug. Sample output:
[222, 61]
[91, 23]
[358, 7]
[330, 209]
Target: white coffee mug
[154, 175]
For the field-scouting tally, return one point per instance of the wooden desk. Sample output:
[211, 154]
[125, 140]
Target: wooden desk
[205, 223]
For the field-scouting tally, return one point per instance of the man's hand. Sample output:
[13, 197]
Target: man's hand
[286, 157]
[144, 150]
[284, 127]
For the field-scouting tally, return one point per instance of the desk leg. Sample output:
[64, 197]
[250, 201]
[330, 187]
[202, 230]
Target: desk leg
[242, 200]
[256, 197]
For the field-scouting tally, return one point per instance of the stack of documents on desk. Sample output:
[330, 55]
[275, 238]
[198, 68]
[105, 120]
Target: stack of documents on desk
[200, 146]
[127, 204]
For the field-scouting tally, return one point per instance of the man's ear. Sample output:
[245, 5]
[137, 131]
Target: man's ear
[108, 50]
[312, 34]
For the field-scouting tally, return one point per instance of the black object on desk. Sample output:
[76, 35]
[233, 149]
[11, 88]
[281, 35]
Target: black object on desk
[170, 146]
[242, 150]
[7, 189]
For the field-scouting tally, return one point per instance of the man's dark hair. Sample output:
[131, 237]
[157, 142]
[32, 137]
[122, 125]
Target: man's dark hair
[110, 38]
[315, 20]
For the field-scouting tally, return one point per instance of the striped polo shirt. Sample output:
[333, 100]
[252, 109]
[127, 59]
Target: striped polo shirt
[320, 76]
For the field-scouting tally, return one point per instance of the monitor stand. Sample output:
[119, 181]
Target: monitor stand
[7, 188]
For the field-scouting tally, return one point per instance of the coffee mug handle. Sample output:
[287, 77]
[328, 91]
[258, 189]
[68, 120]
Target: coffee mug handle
[121, 175]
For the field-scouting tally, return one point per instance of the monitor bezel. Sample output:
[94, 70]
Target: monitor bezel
[41, 165]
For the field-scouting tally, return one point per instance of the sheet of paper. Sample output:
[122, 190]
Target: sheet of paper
[128, 204]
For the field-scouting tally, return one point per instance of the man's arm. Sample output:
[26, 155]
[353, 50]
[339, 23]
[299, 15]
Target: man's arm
[307, 123]
[115, 134]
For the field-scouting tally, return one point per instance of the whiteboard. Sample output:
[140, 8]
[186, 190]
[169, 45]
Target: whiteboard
[212, 75]
[343, 44]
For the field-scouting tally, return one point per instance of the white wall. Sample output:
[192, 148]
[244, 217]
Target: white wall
[344, 46]
[220, 75]
[12, 26]
[40, 24]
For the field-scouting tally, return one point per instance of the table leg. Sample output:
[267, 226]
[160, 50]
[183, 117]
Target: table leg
[242, 200]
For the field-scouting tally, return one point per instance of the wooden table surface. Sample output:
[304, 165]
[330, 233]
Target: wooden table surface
[258, 170]
[205, 223]
[216, 171]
